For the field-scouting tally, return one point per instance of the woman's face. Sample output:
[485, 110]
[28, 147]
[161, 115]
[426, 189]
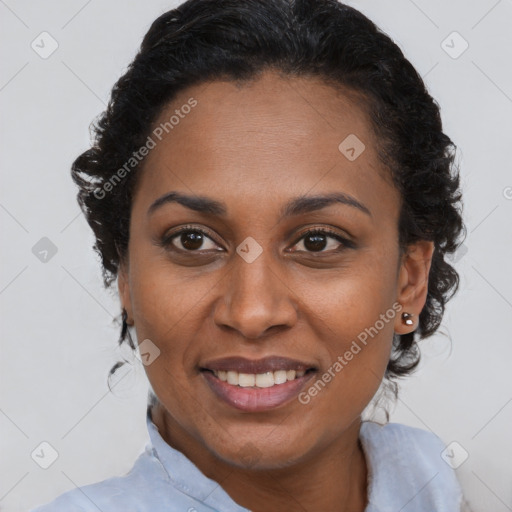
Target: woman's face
[255, 285]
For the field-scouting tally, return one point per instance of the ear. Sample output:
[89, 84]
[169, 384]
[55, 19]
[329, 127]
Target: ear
[123, 285]
[413, 283]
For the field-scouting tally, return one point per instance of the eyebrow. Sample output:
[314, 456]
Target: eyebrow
[296, 206]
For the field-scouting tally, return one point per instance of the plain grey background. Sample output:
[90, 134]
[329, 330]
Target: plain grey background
[58, 335]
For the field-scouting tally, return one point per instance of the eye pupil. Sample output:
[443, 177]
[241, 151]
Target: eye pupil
[318, 244]
[191, 240]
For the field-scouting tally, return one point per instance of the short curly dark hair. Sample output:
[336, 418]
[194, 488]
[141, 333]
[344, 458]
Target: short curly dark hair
[205, 40]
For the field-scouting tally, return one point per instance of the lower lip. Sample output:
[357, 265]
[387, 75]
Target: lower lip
[256, 399]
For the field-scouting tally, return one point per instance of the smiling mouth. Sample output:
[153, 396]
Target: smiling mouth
[257, 392]
[257, 385]
[258, 380]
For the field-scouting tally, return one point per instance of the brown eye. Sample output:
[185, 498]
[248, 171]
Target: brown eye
[315, 242]
[319, 239]
[189, 240]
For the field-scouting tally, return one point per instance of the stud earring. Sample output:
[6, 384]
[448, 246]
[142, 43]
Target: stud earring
[407, 319]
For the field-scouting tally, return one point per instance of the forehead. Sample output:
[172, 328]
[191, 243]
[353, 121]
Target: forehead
[262, 140]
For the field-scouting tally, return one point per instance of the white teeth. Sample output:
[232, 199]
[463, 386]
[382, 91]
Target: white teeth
[265, 380]
[260, 380]
[290, 374]
[280, 377]
[232, 378]
[246, 380]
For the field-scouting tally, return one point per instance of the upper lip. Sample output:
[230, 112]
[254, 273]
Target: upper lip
[266, 364]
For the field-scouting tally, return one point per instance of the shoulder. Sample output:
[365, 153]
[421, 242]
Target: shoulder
[406, 468]
[146, 478]
[398, 436]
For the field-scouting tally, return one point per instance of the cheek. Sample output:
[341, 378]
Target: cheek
[163, 298]
[351, 298]
[354, 317]
[357, 339]
[357, 330]
[169, 309]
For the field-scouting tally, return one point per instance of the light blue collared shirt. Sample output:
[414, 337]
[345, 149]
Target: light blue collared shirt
[405, 473]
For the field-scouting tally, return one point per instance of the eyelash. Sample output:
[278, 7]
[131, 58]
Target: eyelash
[166, 241]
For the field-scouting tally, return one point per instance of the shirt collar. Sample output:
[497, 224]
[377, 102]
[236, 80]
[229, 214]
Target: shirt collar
[185, 475]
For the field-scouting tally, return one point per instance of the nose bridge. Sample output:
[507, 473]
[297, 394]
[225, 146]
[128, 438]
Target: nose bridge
[255, 296]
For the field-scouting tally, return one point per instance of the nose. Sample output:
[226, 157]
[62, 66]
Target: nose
[255, 298]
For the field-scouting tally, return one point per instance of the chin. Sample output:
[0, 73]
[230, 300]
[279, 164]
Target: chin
[263, 451]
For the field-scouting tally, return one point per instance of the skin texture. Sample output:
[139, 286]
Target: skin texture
[254, 147]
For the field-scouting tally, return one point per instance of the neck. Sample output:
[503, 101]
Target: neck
[334, 478]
